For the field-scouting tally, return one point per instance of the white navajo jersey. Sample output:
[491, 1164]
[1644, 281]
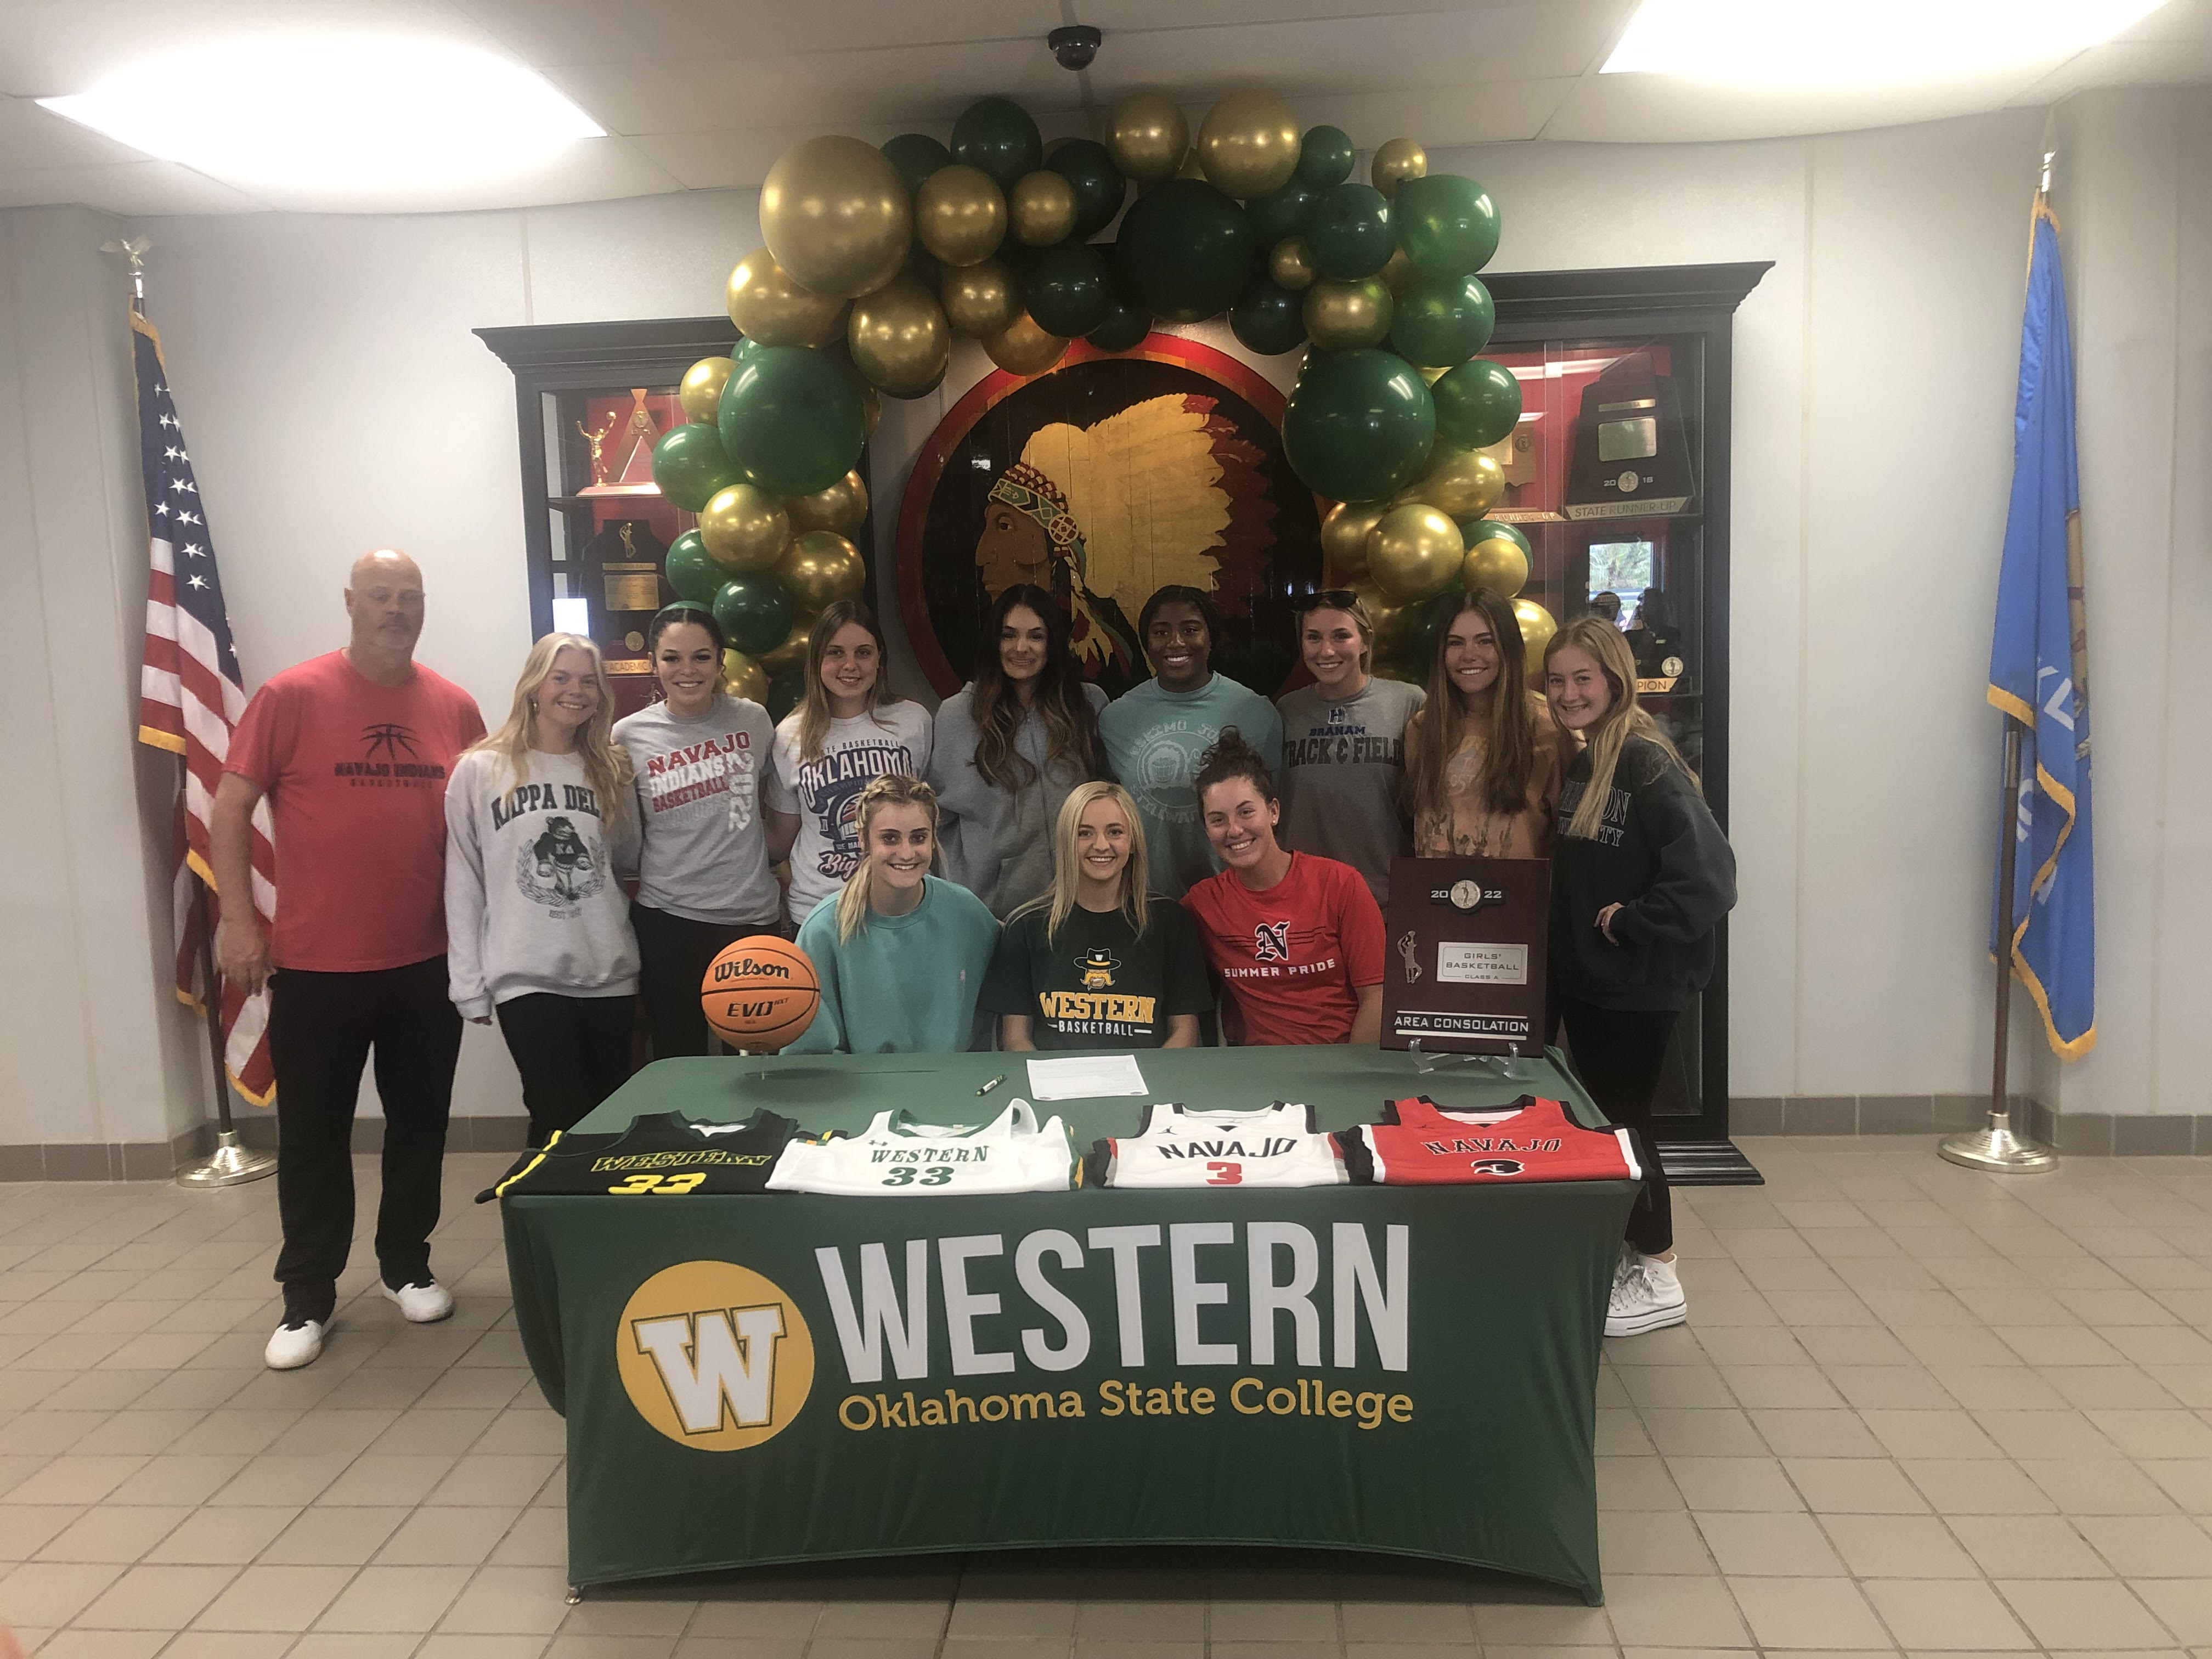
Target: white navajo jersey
[1277, 1146]
[896, 1155]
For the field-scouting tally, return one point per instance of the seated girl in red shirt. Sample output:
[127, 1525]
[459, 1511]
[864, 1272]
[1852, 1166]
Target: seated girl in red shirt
[1296, 937]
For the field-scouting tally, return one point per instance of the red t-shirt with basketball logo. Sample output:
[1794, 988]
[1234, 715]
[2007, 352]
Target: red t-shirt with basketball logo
[356, 776]
[1296, 954]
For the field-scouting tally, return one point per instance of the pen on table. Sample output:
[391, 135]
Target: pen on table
[992, 1085]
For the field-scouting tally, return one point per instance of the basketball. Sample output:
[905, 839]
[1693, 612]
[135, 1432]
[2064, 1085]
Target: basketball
[760, 993]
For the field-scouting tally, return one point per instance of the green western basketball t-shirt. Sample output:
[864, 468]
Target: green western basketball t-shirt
[1096, 985]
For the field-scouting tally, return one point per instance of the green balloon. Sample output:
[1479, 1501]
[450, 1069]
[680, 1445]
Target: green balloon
[1348, 229]
[1124, 329]
[755, 613]
[998, 136]
[784, 690]
[1280, 213]
[1067, 289]
[692, 571]
[916, 155]
[1447, 225]
[792, 418]
[1325, 158]
[1269, 320]
[1359, 424]
[1099, 186]
[1478, 403]
[1484, 529]
[1442, 321]
[743, 351]
[1185, 251]
[689, 463]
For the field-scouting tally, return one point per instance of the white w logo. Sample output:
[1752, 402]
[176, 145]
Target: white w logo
[705, 1363]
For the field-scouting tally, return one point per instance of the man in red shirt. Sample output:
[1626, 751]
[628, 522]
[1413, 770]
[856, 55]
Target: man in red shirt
[351, 751]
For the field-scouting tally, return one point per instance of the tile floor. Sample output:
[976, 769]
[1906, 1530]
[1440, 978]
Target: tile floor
[1917, 1410]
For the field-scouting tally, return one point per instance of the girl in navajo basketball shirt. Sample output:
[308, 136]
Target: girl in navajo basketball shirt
[1296, 937]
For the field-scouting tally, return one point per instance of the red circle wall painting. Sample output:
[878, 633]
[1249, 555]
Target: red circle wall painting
[1100, 481]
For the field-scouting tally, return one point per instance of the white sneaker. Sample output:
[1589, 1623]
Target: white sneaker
[425, 1302]
[1647, 1295]
[293, 1346]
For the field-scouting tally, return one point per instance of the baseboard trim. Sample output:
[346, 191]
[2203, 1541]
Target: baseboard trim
[155, 1160]
[2072, 1134]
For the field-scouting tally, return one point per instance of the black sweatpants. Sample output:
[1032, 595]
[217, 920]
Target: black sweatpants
[1619, 1053]
[573, 1053]
[673, 953]
[322, 1028]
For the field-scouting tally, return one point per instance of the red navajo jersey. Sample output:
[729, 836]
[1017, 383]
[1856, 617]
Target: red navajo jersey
[1178, 1147]
[1535, 1140]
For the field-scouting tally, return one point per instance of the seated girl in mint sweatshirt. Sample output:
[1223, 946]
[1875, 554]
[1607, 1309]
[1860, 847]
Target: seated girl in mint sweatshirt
[900, 953]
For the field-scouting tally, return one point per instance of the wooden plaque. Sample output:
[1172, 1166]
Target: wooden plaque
[1463, 961]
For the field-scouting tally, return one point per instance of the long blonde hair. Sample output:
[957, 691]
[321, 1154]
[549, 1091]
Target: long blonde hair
[814, 704]
[1058, 903]
[892, 789]
[1623, 718]
[605, 762]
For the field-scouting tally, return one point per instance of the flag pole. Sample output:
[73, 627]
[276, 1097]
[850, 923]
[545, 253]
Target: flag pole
[1995, 1146]
[232, 1163]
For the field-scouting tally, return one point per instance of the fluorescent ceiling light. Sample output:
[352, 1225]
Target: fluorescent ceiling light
[1859, 42]
[334, 112]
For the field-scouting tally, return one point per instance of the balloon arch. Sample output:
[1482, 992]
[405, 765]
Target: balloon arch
[875, 258]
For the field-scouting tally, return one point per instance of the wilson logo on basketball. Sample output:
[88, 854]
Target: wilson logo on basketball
[747, 968]
[714, 1356]
[760, 993]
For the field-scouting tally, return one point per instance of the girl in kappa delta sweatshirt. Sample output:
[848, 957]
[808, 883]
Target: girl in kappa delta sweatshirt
[538, 816]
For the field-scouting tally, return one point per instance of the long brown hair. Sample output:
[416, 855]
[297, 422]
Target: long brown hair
[1071, 724]
[1623, 718]
[814, 705]
[892, 789]
[607, 764]
[1434, 735]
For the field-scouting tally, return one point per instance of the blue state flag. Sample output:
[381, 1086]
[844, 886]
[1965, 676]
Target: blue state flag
[2038, 677]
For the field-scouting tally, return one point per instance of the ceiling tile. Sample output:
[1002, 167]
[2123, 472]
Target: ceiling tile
[1440, 117]
[34, 137]
[2125, 63]
[548, 32]
[1664, 109]
[597, 169]
[134, 189]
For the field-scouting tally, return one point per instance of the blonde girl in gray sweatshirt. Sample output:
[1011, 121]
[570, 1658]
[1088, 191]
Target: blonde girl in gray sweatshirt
[539, 815]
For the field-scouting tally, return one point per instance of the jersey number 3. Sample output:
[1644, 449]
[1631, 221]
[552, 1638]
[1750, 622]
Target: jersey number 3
[1224, 1175]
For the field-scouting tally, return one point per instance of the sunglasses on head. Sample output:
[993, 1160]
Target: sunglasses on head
[1329, 599]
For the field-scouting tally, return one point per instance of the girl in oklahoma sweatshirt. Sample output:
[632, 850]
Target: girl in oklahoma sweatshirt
[538, 815]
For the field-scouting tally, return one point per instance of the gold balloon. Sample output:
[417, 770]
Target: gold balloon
[1192, 168]
[1022, 348]
[1343, 316]
[1344, 535]
[792, 653]
[899, 337]
[1465, 483]
[834, 214]
[767, 306]
[1414, 552]
[700, 392]
[1248, 144]
[842, 507]
[1291, 263]
[1041, 208]
[871, 408]
[744, 678]
[960, 214]
[980, 300]
[1537, 627]
[1398, 161]
[1432, 375]
[821, 566]
[1497, 564]
[744, 529]
[1399, 274]
[1148, 136]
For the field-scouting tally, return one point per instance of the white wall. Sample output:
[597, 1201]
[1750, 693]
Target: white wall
[336, 400]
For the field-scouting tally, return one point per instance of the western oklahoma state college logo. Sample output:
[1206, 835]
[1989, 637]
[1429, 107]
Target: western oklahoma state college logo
[714, 1356]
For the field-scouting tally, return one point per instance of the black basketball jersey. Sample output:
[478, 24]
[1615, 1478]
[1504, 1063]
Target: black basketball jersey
[662, 1156]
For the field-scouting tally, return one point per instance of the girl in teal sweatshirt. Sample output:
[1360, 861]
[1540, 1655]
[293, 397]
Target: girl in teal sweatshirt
[901, 954]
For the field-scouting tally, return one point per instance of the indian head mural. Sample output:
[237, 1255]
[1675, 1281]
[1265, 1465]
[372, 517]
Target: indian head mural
[1099, 483]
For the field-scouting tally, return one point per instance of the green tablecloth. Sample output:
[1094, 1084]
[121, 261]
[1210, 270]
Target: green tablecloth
[782, 1377]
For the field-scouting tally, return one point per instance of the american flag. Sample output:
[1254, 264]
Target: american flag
[191, 697]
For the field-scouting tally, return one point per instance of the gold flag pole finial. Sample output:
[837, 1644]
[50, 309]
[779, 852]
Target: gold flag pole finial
[135, 251]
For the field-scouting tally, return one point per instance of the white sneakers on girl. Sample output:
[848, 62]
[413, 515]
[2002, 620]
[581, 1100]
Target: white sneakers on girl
[1647, 1295]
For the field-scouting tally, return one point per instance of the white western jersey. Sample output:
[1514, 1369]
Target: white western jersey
[895, 1154]
[1277, 1146]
